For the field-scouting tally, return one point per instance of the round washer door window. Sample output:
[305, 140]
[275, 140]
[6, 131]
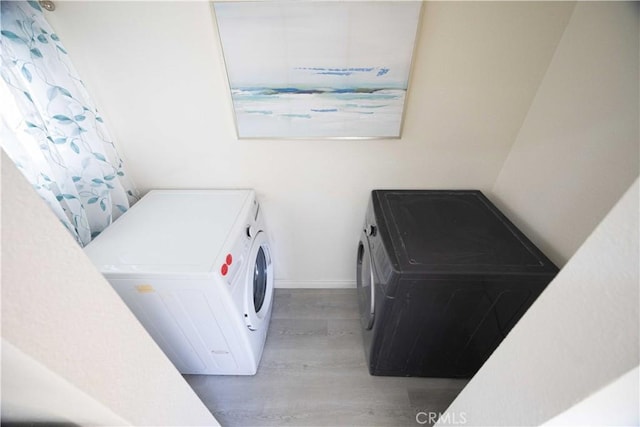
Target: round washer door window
[259, 280]
[258, 283]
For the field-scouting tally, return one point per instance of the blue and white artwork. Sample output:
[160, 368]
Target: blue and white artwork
[318, 69]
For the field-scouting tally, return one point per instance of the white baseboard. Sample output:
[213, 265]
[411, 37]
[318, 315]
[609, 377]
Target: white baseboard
[315, 284]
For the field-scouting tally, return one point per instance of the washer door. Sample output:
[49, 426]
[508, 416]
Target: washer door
[258, 284]
[366, 284]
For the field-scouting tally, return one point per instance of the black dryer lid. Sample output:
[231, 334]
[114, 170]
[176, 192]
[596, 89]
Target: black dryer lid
[453, 231]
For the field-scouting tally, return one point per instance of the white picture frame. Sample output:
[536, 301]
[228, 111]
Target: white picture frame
[318, 69]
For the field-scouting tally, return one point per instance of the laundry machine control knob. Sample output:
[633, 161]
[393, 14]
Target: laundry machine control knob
[370, 230]
[251, 231]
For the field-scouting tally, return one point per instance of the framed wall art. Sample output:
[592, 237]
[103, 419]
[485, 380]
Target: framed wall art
[316, 69]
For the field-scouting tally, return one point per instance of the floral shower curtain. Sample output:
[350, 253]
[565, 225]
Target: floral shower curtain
[52, 131]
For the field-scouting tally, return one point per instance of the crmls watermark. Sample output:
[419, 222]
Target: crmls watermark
[444, 418]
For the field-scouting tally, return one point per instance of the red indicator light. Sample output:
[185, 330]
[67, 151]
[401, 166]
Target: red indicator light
[229, 259]
[224, 269]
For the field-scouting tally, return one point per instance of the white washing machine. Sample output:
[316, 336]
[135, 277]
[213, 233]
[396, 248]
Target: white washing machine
[195, 268]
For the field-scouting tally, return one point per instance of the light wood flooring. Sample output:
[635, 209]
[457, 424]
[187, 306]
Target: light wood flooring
[313, 373]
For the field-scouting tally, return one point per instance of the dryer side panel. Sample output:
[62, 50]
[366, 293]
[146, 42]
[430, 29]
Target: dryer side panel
[448, 328]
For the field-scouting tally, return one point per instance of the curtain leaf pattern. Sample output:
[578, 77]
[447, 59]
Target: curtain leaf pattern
[51, 129]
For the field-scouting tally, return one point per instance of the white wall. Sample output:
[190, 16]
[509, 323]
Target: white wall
[156, 72]
[577, 151]
[32, 392]
[581, 335]
[60, 315]
[614, 405]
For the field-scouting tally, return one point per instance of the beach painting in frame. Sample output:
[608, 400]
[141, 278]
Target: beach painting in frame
[315, 69]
